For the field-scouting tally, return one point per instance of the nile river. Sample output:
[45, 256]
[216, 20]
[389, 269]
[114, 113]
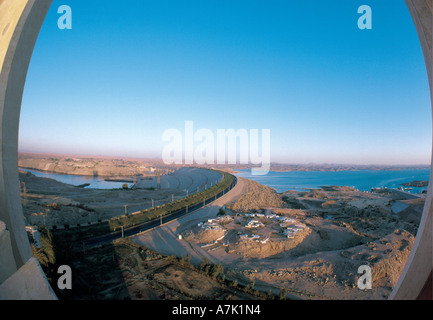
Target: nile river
[76, 180]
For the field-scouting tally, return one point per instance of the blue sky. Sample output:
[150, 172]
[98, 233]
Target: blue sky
[328, 91]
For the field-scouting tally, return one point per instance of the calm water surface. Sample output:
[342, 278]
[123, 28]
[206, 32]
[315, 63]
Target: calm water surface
[362, 180]
[76, 180]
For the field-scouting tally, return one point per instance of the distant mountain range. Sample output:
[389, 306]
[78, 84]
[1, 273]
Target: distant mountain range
[328, 167]
[68, 163]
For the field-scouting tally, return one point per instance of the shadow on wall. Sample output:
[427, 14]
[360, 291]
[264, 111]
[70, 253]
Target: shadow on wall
[96, 273]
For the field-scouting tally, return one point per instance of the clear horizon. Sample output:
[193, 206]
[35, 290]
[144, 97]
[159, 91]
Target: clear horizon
[328, 91]
[78, 155]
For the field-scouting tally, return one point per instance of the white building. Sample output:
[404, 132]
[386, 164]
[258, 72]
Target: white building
[254, 224]
[34, 234]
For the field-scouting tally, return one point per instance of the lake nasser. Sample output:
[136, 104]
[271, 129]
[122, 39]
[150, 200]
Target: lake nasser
[363, 180]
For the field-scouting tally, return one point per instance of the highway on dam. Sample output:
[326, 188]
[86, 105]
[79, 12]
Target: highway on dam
[128, 232]
[166, 238]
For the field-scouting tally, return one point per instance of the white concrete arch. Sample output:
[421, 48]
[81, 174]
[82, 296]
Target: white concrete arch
[20, 23]
[419, 265]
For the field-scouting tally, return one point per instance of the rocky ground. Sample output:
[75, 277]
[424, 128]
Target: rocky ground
[346, 229]
[55, 204]
[90, 166]
[257, 196]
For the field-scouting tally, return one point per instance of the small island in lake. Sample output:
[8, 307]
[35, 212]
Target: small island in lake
[417, 184]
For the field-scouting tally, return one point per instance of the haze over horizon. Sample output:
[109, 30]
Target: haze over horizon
[306, 164]
[328, 91]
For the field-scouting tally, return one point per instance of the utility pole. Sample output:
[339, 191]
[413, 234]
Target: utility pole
[24, 191]
[126, 211]
[152, 204]
[46, 213]
[172, 197]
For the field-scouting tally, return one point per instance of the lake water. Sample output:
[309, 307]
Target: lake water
[362, 180]
[76, 180]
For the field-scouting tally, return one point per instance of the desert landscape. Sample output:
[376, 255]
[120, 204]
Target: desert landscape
[339, 229]
[92, 165]
[296, 245]
[54, 204]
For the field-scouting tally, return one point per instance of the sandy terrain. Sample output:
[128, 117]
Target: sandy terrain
[91, 166]
[52, 203]
[338, 229]
[125, 271]
[166, 238]
[256, 197]
[345, 229]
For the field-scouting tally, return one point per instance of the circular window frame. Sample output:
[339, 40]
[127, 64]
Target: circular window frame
[20, 24]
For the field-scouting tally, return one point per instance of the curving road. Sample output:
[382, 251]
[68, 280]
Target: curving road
[165, 238]
[191, 179]
[179, 215]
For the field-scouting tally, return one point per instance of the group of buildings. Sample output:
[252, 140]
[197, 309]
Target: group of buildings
[289, 227]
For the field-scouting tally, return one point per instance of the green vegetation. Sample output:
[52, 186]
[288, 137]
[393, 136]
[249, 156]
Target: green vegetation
[166, 209]
[293, 202]
[283, 294]
[110, 272]
[218, 273]
[130, 220]
[221, 212]
[45, 254]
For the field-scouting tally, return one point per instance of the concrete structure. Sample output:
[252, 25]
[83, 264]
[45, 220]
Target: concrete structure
[416, 276]
[21, 277]
[20, 274]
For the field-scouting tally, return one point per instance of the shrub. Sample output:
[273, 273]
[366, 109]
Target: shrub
[283, 294]
[221, 212]
[217, 270]
[250, 287]
[203, 264]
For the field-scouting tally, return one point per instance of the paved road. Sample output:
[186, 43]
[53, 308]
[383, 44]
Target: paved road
[190, 179]
[406, 195]
[165, 239]
[129, 232]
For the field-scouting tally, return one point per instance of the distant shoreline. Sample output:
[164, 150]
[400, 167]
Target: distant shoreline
[274, 166]
[363, 180]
